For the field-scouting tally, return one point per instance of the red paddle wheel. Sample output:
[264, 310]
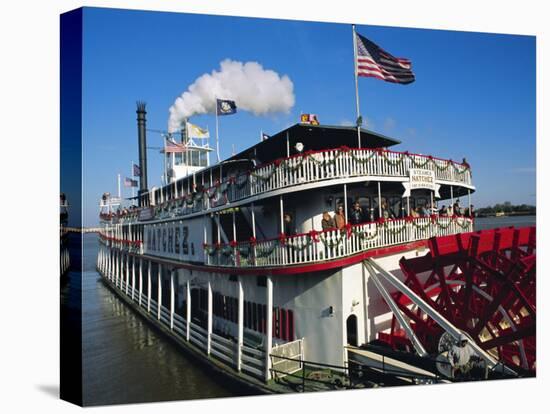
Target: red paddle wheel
[484, 283]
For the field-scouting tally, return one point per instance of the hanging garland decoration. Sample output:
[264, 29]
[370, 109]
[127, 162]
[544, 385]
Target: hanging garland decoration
[423, 227]
[315, 236]
[362, 235]
[243, 183]
[394, 163]
[287, 166]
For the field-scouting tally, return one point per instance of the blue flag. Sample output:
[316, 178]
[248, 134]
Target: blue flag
[225, 107]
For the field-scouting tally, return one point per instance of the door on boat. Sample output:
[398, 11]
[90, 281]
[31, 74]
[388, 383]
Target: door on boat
[351, 330]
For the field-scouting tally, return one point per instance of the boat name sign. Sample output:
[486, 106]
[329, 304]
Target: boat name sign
[421, 179]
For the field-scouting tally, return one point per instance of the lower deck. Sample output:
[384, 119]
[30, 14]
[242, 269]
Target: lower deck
[312, 316]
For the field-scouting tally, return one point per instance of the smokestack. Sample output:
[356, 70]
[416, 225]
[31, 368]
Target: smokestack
[142, 140]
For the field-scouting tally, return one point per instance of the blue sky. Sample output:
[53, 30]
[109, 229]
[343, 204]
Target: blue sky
[474, 94]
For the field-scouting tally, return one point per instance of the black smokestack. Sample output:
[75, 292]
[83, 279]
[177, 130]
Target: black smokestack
[142, 139]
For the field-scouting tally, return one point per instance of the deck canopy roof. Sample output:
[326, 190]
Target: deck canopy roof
[313, 137]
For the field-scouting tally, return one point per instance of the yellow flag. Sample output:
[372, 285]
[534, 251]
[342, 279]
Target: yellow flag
[195, 131]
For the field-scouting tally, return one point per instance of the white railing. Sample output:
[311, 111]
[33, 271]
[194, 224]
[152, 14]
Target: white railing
[305, 168]
[252, 360]
[287, 358]
[333, 244]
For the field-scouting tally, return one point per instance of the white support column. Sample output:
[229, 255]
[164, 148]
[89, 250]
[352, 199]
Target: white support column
[149, 286]
[346, 202]
[234, 226]
[188, 309]
[112, 269]
[172, 299]
[127, 275]
[133, 276]
[240, 324]
[140, 280]
[269, 326]
[218, 227]
[159, 290]
[253, 214]
[281, 213]
[470, 203]
[115, 267]
[379, 200]
[119, 269]
[209, 326]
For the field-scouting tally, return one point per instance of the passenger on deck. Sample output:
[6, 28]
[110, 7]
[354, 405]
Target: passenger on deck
[339, 217]
[443, 211]
[356, 214]
[327, 222]
[470, 212]
[387, 213]
[456, 208]
[288, 223]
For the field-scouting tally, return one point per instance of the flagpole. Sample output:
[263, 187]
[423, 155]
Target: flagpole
[132, 175]
[119, 189]
[164, 157]
[356, 85]
[217, 138]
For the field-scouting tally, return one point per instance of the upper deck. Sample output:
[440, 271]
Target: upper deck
[307, 170]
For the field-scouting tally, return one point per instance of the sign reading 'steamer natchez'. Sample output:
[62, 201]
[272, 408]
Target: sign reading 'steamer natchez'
[421, 179]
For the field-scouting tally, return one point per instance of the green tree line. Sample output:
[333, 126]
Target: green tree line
[507, 208]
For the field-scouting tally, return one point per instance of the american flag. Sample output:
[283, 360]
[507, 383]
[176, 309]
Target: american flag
[128, 182]
[373, 61]
[171, 146]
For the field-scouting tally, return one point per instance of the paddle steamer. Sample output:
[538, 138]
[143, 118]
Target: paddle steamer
[232, 260]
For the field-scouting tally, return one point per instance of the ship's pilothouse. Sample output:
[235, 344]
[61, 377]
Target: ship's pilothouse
[188, 156]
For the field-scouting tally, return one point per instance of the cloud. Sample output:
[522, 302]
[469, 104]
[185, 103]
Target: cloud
[253, 88]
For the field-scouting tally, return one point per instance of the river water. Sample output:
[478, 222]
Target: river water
[484, 223]
[126, 361]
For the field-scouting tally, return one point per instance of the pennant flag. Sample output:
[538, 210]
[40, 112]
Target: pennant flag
[225, 107]
[310, 119]
[128, 182]
[265, 136]
[171, 146]
[194, 131]
[137, 170]
[373, 61]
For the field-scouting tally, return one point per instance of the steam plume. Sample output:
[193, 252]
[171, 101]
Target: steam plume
[253, 88]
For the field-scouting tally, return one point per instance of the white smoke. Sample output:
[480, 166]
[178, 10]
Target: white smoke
[253, 88]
